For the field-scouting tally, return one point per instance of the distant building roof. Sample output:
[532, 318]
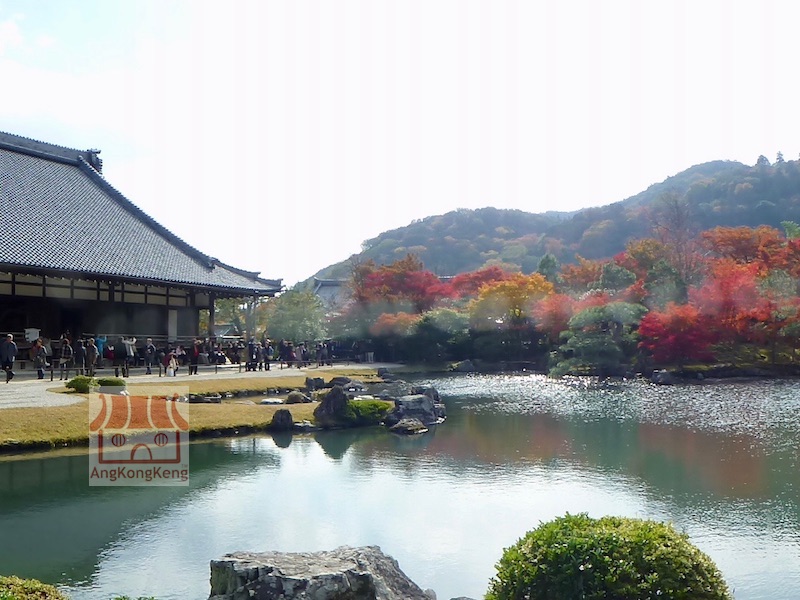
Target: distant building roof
[60, 214]
[335, 294]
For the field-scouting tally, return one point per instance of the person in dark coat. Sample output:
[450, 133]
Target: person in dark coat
[194, 357]
[8, 352]
[79, 355]
[150, 355]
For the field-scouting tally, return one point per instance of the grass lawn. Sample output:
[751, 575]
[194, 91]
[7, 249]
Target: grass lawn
[69, 425]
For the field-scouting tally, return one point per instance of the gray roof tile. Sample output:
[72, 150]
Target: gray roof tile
[58, 212]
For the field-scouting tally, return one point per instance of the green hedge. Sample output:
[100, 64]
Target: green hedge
[576, 556]
[84, 384]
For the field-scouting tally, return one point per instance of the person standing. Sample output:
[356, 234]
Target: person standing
[194, 357]
[8, 352]
[39, 356]
[124, 353]
[150, 355]
[79, 354]
[92, 354]
[67, 359]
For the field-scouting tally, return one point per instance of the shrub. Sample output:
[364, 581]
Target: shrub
[367, 412]
[15, 588]
[111, 382]
[81, 384]
[576, 556]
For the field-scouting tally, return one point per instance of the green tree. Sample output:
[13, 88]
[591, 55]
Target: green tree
[549, 267]
[791, 229]
[664, 285]
[614, 277]
[296, 316]
[599, 340]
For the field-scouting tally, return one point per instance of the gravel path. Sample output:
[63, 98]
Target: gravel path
[25, 391]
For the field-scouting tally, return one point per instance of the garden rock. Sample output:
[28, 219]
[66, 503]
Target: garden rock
[296, 397]
[332, 409]
[390, 390]
[408, 427]
[345, 573]
[417, 406]
[282, 420]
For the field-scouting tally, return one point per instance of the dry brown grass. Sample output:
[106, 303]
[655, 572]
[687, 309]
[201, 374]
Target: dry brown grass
[69, 425]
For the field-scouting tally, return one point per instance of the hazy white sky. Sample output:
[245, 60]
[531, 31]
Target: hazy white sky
[279, 135]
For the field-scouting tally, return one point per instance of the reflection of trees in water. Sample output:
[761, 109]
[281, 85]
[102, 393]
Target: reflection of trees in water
[60, 525]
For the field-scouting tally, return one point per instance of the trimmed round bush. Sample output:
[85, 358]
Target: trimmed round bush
[111, 382]
[81, 384]
[576, 556]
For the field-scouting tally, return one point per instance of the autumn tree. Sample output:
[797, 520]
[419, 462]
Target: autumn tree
[581, 275]
[676, 335]
[642, 255]
[743, 244]
[404, 283]
[502, 316]
[675, 227]
[508, 303]
[552, 315]
[467, 285]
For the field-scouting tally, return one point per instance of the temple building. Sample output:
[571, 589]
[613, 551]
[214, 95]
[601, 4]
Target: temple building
[76, 255]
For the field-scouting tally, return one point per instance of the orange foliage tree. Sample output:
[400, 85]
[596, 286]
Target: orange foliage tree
[509, 303]
[581, 275]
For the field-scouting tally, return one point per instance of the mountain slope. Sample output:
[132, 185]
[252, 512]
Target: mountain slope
[718, 193]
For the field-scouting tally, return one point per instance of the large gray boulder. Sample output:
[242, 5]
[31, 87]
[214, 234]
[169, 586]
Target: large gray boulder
[346, 573]
[416, 406]
[390, 390]
[282, 420]
[332, 410]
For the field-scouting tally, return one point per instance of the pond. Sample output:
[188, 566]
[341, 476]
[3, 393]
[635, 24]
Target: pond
[719, 460]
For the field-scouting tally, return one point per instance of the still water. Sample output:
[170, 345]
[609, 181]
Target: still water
[720, 461]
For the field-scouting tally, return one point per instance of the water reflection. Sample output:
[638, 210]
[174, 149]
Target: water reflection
[719, 461]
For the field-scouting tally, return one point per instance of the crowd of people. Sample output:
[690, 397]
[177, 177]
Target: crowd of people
[85, 355]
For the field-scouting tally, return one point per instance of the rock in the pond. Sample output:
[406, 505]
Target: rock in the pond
[345, 573]
[408, 427]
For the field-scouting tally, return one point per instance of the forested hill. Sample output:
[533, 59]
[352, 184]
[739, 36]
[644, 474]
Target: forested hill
[718, 193]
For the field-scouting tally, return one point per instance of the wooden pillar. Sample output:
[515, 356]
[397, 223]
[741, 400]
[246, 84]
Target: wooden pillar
[212, 297]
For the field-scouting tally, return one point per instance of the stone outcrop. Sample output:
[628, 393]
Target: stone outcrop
[332, 409]
[345, 573]
[282, 420]
[417, 406]
[390, 390]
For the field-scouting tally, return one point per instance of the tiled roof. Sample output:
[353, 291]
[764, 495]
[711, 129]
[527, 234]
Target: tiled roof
[57, 212]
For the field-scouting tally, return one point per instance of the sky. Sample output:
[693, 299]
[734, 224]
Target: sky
[278, 136]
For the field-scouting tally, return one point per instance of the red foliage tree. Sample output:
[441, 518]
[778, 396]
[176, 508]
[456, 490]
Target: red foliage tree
[467, 285]
[678, 334]
[552, 315]
[726, 297]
